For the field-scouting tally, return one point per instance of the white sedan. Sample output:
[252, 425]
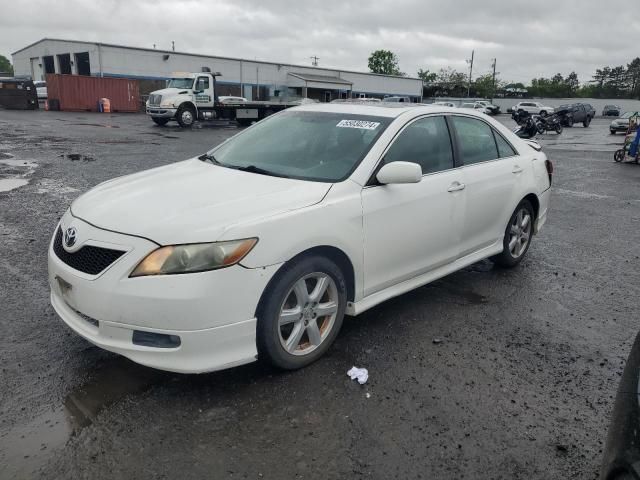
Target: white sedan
[260, 247]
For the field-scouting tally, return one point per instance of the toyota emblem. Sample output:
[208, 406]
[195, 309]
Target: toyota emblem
[70, 237]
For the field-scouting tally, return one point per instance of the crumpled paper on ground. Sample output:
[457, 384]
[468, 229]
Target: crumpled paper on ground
[360, 374]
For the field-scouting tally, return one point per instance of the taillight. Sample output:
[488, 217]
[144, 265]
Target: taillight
[549, 166]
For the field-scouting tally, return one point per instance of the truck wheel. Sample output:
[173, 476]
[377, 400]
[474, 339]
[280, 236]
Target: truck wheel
[160, 121]
[186, 116]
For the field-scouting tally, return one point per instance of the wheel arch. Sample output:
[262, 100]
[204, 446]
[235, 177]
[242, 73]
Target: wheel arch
[336, 255]
[532, 198]
[188, 103]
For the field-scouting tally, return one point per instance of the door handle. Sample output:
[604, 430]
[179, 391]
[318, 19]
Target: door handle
[516, 169]
[456, 187]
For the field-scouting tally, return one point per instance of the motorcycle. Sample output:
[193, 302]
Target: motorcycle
[551, 123]
[528, 129]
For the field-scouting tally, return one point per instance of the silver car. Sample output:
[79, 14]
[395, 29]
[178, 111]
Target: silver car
[621, 124]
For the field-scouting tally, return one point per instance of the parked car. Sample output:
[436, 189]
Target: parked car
[579, 113]
[476, 106]
[621, 124]
[231, 99]
[611, 111]
[397, 99]
[493, 109]
[621, 459]
[41, 89]
[445, 104]
[258, 248]
[534, 108]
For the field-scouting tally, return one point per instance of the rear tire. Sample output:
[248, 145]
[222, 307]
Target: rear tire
[558, 129]
[292, 331]
[160, 121]
[186, 116]
[613, 132]
[517, 236]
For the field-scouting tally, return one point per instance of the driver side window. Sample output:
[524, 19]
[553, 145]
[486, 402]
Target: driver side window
[426, 142]
[202, 83]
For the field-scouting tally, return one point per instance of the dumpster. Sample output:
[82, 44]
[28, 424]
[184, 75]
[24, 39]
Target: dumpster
[18, 94]
[80, 93]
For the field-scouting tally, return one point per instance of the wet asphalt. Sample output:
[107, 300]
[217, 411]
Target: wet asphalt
[485, 374]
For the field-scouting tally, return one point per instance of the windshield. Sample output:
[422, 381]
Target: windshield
[180, 83]
[628, 114]
[316, 146]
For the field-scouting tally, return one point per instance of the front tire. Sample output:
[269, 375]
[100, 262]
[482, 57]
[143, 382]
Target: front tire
[161, 122]
[587, 122]
[517, 236]
[301, 313]
[558, 129]
[186, 116]
[613, 132]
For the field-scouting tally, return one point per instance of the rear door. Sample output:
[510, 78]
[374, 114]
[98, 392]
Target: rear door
[413, 228]
[492, 173]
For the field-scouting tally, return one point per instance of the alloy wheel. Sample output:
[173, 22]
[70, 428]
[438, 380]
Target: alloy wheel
[308, 313]
[520, 233]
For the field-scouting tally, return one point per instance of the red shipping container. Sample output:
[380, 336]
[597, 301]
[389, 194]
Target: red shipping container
[82, 93]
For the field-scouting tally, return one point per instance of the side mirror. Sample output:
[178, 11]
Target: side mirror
[399, 172]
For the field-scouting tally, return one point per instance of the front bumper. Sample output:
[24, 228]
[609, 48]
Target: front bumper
[618, 128]
[161, 112]
[213, 313]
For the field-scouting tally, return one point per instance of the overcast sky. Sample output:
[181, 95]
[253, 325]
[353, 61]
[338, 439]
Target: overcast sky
[528, 38]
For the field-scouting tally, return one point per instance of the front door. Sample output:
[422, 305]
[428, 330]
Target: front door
[203, 91]
[413, 228]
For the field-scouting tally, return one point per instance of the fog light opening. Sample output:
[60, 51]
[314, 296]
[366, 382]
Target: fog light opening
[156, 340]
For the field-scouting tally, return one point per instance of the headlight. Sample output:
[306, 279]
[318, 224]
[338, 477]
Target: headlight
[195, 257]
[166, 103]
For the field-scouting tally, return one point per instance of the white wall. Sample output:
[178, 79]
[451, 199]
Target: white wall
[119, 61]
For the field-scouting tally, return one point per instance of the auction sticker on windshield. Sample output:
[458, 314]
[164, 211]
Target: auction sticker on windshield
[358, 124]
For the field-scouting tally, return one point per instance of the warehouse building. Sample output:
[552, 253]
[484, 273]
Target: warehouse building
[255, 80]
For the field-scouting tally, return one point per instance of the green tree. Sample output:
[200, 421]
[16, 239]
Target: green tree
[5, 65]
[572, 83]
[633, 77]
[427, 76]
[385, 62]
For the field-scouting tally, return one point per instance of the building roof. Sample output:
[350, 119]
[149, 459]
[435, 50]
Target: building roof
[209, 56]
[320, 78]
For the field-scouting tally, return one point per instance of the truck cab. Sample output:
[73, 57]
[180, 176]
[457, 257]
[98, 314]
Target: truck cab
[184, 96]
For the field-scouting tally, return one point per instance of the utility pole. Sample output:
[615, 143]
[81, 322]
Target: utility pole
[314, 60]
[470, 72]
[173, 45]
[493, 88]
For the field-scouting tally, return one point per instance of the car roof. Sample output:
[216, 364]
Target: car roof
[381, 109]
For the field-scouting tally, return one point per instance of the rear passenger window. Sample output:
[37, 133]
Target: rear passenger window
[425, 142]
[504, 149]
[476, 140]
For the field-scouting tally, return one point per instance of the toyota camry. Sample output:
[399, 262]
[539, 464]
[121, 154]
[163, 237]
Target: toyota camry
[258, 248]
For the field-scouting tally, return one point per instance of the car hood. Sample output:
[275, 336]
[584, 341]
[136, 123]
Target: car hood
[191, 201]
[169, 92]
[620, 121]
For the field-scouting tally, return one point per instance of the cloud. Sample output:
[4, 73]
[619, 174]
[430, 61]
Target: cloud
[528, 40]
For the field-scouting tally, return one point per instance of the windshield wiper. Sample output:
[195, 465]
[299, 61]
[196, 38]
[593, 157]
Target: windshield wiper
[258, 170]
[209, 157]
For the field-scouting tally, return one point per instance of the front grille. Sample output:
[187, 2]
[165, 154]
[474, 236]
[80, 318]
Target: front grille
[89, 259]
[155, 99]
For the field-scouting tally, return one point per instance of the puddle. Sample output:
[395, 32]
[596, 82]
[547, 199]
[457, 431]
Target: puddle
[14, 173]
[95, 125]
[26, 448]
[74, 157]
[8, 184]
